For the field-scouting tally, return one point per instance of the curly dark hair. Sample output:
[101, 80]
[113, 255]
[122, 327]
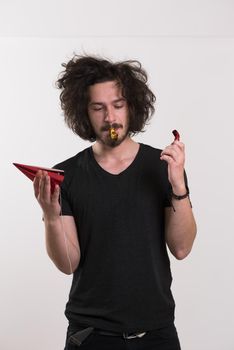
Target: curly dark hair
[83, 71]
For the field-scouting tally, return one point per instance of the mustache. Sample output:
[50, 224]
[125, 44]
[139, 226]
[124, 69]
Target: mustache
[114, 125]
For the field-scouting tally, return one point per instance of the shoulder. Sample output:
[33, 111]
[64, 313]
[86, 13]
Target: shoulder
[151, 151]
[151, 158]
[72, 162]
[72, 167]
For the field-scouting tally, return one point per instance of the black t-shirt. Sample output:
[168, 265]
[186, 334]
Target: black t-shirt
[123, 280]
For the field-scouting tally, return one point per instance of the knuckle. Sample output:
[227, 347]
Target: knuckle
[39, 199]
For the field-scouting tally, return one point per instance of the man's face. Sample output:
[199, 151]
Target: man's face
[108, 108]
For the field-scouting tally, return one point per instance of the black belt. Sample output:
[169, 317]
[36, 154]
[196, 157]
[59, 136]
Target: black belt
[122, 335]
[81, 335]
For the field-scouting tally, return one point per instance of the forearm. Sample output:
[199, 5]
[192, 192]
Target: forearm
[64, 253]
[180, 226]
[180, 229]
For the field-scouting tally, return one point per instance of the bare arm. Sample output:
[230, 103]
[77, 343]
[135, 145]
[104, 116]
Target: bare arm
[180, 226]
[62, 244]
[61, 234]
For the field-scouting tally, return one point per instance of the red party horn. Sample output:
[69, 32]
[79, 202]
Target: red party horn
[56, 175]
[176, 134]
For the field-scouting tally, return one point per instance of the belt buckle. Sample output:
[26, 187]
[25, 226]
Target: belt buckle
[133, 335]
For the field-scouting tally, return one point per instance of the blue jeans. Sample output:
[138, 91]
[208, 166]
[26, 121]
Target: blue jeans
[161, 339]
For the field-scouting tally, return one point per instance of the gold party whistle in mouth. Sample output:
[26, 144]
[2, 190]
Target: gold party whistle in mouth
[113, 134]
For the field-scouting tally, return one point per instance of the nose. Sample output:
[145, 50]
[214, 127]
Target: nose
[109, 115]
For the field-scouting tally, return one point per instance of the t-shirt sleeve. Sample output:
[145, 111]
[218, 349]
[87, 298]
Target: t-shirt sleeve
[64, 201]
[63, 198]
[167, 202]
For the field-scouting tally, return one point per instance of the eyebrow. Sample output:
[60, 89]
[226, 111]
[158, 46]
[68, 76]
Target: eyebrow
[101, 103]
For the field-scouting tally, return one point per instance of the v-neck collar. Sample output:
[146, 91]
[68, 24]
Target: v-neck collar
[123, 172]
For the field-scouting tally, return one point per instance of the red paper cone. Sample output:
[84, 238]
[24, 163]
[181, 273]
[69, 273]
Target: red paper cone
[56, 175]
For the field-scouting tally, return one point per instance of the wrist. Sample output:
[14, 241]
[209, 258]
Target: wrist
[178, 197]
[181, 196]
[50, 220]
[179, 190]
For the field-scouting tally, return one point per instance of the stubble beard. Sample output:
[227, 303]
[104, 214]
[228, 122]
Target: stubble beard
[108, 141]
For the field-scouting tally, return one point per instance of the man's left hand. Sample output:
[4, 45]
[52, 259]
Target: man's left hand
[174, 155]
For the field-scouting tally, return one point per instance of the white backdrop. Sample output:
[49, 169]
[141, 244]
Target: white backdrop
[188, 51]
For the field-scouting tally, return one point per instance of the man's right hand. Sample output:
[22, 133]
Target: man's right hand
[48, 202]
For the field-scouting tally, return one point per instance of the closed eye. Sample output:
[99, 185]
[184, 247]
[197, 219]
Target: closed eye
[119, 103]
[119, 106]
[97, 108]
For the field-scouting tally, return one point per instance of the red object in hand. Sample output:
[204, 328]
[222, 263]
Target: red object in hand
[176, 134]
[56, 175]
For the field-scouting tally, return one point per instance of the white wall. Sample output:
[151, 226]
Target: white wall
[188, 49]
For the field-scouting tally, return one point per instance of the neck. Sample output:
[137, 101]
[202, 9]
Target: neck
[121, 151]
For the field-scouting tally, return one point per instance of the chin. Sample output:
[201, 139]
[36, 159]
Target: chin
[107, 141]
[115, 143]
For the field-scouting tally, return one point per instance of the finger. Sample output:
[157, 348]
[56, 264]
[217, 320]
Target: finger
[167, 158]
[170, 151]
[40, 187]
[179, 144]
[175, 150]
[44, 188]
[36, 183]
[178, 161]
[55, 195]
[47, 188]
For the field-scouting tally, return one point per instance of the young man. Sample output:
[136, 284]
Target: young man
[121, 203]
